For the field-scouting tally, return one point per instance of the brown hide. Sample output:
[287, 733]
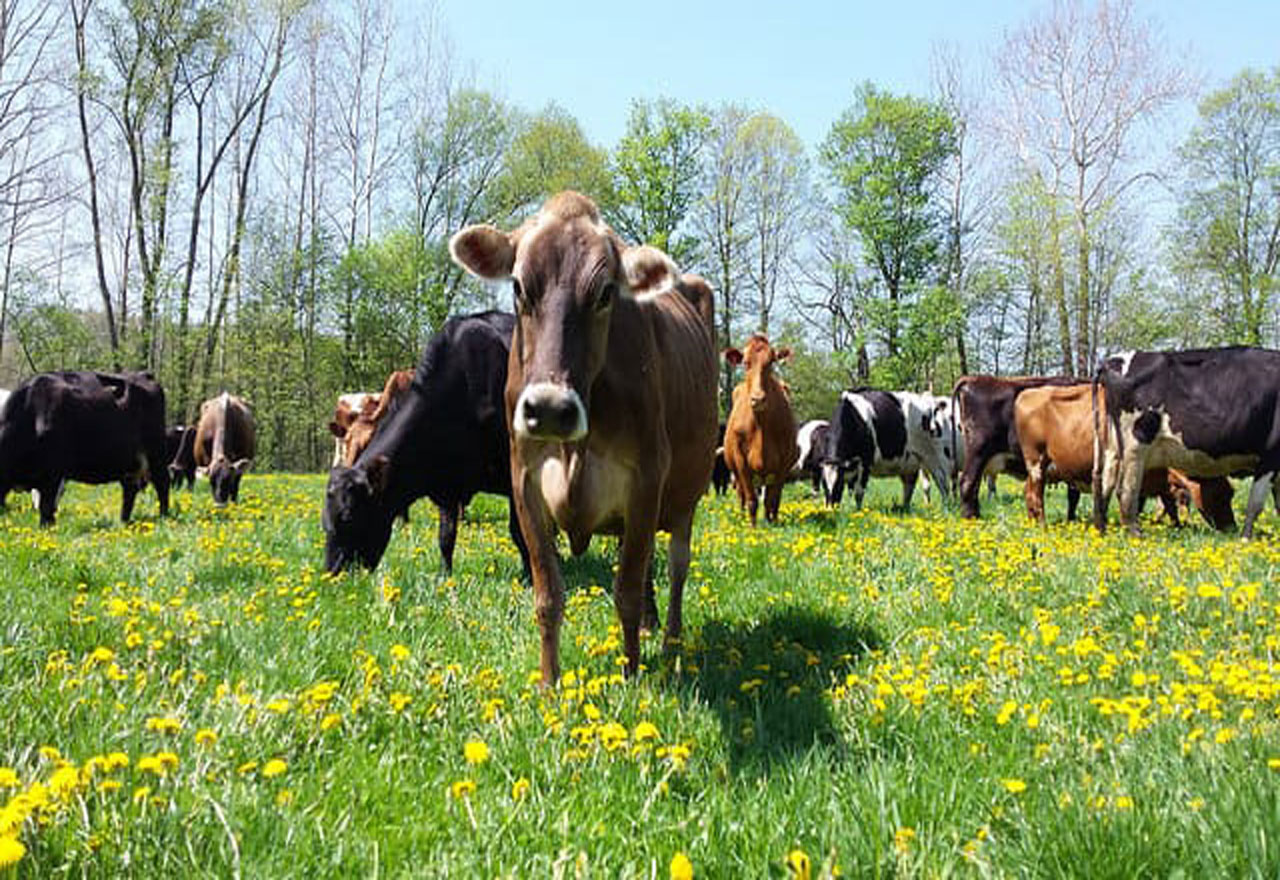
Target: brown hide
[760, 437]
[349, 408]
[225, 443]
[1055, 433]
[611, 400]
[365, 424]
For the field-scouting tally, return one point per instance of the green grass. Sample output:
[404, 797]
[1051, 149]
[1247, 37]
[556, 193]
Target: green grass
[895, 695]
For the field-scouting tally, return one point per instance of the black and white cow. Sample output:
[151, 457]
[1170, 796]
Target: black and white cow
[84, 426]
[1207, 412]
[883, 434]
[446, 439]
[812, 440]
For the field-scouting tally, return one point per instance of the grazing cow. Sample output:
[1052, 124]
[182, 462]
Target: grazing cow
[811, 440]
[760, 438]
[720, 476]
[362, 428]
[445, 438]
[883, 434]
[985, 407]
[180, 450]
[1207, 412]
[349, 407]
[1209, 495]
[224, 445]
[85, 426]
[1054, 425]
[611, 397]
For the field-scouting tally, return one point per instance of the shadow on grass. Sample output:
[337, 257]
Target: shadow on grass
[767, 682]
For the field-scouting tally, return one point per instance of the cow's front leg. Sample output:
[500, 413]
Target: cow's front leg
[1073, 502]
[517, 538]
[544, 564]
[772, 499]
[1132, 470]
[447, 534]
[634, 556]
[47, 503]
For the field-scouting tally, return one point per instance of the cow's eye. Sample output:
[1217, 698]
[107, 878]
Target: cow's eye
[606, 296]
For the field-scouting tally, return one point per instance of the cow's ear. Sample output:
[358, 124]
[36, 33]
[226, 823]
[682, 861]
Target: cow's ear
[485, 251]
[241, 466]
[377, 472]
[732, 356]
[782, 354]
[337, 430]
[649, 270]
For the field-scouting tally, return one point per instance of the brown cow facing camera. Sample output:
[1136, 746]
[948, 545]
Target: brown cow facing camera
[760, 439]
[611, 400]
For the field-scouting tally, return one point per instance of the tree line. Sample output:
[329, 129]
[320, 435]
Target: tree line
[259, 197]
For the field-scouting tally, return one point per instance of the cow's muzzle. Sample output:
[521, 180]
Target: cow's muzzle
[550, 411]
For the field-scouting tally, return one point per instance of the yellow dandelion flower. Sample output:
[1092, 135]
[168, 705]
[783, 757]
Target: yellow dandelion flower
[141, 793]
[519, 789]
[798, 862]
[681, 867]
[247, 767]
[475, 752]
[399, 701]
[644, 732]
[284, 798]
[330, 721]
[11, 851]
[399, 652]
[206, 737]
[462, 788]
[164, 724]
[1014, 786]
[1272, 763]
[902, 840]
[8, 778]
[273, 768]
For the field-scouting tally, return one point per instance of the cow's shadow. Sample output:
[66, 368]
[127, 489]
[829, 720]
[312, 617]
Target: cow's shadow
[768, 681]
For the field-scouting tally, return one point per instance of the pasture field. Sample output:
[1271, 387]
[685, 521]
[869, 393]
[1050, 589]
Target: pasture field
[858, 694]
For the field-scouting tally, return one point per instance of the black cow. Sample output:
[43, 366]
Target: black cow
[720, 475]
[180, 449]
[985, 405]
[84, 426]
[446, 439]
[1207, 412]
[883, 434]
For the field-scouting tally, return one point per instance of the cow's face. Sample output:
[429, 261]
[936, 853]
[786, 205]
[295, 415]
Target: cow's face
[356, 524]
[224, 479]
[758, 357]
[568, 273]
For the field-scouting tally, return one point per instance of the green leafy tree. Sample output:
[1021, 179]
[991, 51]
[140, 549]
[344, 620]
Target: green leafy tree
[550, 154]
[883, 155]
[657, 173]
[1228, 228]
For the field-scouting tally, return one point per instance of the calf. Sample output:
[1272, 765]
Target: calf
[85, 426]
[611, 398]
[883, 434]
[721, 478]
[1055, 434]
[445, 437]
[366, 422]
[985, 408]
[760, 438]
[1207, 412]
[225, 442]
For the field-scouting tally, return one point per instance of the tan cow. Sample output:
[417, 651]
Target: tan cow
[1054, 425]
[349, 408]
[611, 399]
[374, 411]
[224, 444]
[760, 438]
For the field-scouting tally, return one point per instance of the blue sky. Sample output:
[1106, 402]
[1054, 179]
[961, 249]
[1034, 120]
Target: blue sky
[801, 61]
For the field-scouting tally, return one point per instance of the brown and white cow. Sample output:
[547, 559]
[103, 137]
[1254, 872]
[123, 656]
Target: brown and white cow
[760, 438]
[611, 399]
[349, 408]
[360, 430]
[1055, 433]
[224, 445]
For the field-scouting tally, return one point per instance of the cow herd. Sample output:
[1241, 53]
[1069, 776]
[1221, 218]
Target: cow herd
[593, 409]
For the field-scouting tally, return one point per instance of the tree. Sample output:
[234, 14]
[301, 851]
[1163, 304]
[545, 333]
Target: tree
[1228, 230]
[883, 156]
[657, 171]
[550, 154]
[1079, 84]
[775, 202]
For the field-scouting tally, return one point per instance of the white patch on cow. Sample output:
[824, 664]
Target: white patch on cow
[804, 440]
[1124, 359]
[868, 414]
[544, 393]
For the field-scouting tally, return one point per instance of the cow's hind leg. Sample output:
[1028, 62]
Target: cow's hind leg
[1263, 485]
[447, 534]
[649, 618]
[517, 538]
[48, 503]
[129, 488]
[772, 500]
[678, 556]
[1073, 503]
